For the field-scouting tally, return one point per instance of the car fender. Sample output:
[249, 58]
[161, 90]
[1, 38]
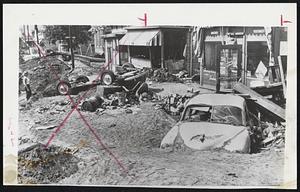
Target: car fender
[240, 142]
[169, 139]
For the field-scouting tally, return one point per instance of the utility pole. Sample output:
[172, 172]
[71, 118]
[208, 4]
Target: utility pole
[27, 33]
[71, 47]
[37, 38]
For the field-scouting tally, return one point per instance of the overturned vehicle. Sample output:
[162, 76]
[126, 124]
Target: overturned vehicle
[213, 121]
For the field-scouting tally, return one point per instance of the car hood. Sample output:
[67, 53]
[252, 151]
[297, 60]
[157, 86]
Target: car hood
[205, 135]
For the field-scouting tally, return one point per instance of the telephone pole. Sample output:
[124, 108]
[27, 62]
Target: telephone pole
[71, 47]
[37, 38]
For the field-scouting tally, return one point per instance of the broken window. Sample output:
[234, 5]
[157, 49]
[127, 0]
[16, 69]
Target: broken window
[227, 114]
[216, 114]
[197, 113]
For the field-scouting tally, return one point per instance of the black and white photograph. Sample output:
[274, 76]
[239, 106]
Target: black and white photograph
[153, 105]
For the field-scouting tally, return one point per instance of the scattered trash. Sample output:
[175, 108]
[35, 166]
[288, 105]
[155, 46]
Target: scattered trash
[162, 75]
[232, 174]
[174, 103]
[274, 135]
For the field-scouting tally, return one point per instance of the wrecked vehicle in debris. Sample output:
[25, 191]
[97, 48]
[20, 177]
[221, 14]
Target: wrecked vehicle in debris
[68, 79]
[128, 77]
[212, 121]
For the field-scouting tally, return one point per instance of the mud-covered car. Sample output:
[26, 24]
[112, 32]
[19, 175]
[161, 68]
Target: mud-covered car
[128, 77]
[212, 121]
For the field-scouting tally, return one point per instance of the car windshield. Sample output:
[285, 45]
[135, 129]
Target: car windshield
[224, 114]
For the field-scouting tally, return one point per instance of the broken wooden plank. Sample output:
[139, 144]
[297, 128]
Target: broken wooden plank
[260, 100]
[46, 127]
[282, 76]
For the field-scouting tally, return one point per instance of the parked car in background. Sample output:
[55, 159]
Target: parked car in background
[212, 121]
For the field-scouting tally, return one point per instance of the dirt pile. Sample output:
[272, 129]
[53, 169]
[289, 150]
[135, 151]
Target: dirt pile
[41, 165]
[42, 75]
[145, 133]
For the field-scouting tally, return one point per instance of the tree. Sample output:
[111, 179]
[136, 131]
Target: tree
[60, 32]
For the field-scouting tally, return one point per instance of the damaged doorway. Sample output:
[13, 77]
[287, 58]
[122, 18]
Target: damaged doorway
[228, 66]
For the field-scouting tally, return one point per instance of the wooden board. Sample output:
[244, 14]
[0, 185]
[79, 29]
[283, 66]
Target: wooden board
[260, 100]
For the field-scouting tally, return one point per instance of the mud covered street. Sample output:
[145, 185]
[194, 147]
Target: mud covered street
[134, 138]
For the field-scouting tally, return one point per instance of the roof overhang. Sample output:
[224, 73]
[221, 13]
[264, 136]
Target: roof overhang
[142, 38]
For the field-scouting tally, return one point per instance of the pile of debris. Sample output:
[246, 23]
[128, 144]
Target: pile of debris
[162, 75]
[37, 164]
[274, 135]
[41, 78]
[121, 99]
[174, 104]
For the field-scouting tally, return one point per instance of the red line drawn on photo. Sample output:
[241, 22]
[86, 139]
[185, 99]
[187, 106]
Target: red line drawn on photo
[282, 21]
[75, 107]
[145, 19]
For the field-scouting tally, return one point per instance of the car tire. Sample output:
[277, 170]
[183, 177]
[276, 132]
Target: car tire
[108, 77]
[63, 88]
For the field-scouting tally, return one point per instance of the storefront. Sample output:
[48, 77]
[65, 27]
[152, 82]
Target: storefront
[244, 54]
[155, 47]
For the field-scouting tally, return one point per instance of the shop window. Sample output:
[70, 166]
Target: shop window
[256, 52]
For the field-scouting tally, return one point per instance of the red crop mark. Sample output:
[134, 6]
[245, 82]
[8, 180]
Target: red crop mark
[283, 21]
[145, 19]
[98, 139]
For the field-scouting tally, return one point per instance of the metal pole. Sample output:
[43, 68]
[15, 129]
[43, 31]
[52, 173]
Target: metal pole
[191, 50]
[162, 50]
[71, 47]
[37, 38]
[27, 32]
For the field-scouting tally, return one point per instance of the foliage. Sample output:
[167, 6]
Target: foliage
[60, 32]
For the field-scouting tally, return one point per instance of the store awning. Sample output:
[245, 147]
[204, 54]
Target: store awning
[141, 38]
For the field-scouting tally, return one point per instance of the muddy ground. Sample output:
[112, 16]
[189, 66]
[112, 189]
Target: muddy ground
[134, 139]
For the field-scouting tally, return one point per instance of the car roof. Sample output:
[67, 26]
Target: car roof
[217, 99]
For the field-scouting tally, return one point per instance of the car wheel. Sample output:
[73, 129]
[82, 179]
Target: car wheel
[108, 77]
[63, 88]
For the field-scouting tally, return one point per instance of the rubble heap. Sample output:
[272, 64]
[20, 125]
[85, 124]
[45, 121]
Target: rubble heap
[274, 135]
[45, 165]
[162, 75]
[41, 78]
[174, 104]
